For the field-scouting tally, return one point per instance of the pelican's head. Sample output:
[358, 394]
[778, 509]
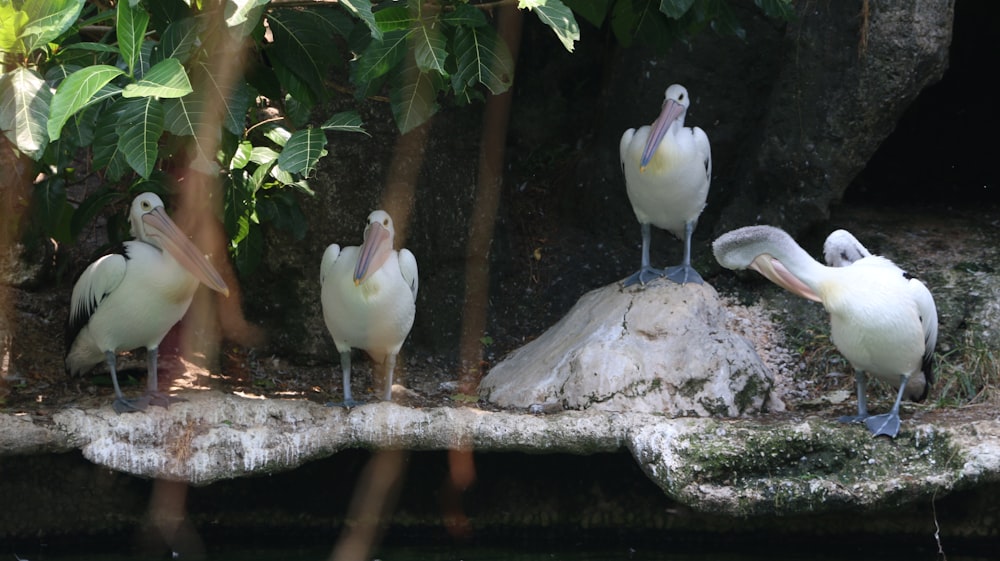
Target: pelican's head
[377, 247]
[675, 105]
[762, 248]
[150, 224]
[842, 248]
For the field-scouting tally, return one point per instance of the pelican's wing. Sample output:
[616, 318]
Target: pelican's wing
[329, 258]
[705, 149]
[98, 280]
[929, 321]
[623, 146]
[408, 267]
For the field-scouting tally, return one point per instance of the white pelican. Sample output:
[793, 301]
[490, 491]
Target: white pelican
[842, 248]
[884, 322]
[668, 169]
[132, 296]
[369, 298]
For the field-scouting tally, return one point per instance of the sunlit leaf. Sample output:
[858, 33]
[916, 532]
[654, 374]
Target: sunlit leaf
[302, 151]
[75, 92]
[362, 9]
[24, 110]
[139, 130]
[131, 31]
[48, 19]
[482, 57]
[345, 121]
[558, 17]
[242, 16]
[166, 79]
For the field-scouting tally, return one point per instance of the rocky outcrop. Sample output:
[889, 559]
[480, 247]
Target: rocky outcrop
[661, 349]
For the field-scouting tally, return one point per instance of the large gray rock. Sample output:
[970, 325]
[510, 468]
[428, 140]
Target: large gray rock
[662, 349]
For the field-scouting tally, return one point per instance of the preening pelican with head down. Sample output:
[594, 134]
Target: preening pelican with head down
[881, 320]
[132, 296]
[668, 170]
[369, 298]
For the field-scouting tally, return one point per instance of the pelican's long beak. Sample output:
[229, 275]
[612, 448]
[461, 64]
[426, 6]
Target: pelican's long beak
[374, 251]
[774, 271]
[180, 247]
[671, 110]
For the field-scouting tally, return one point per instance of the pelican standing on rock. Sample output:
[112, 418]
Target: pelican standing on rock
[668, 169]
[369, 298]
[132, 296]
[883, 322]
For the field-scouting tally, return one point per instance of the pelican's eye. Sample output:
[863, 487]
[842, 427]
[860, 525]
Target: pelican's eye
[146, 205]
[385, 222]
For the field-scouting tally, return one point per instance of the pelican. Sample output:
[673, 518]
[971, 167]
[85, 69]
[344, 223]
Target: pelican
[132, 296]
[369, 298]
[842, 248]
[668, 169]
[882, 321]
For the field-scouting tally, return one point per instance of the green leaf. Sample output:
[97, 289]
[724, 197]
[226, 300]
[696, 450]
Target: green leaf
[48, 19]
[482, 57]
[558, 17]
[362, 9]
[75, 92]
[179, 40]
[302, 151]
[91, 47]
[12, 22]
[393, 18]
[139, 132]
[131, 30]
[465, 15]
[242, 155]
[182, 115]
[242, 16]
[345, 121]
[302, 43]
[675, 8]
[233, 102]
[166, 79]
[414, 101]
[594, 11]
[24, 110]
[430, 46]
[380, 57]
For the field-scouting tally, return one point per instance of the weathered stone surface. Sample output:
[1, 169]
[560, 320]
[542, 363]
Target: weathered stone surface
[721, 466]
[660, 349]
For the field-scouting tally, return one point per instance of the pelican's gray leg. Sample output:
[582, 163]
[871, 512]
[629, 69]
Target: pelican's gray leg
[862, 385]
[156, 397]
[685, 273]
[888, 424]
[122, 405]
[345, 368]
[646, 273]
[390, 366]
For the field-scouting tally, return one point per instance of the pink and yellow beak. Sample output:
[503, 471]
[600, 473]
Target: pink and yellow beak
[774, 271]
[671, 110]
[173, 240]
[374, 251]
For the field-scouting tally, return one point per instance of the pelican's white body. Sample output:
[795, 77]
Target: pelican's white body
[672, 190]
[136, 300]
[375, 315]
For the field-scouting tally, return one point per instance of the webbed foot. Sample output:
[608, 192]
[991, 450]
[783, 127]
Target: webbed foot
[887, 424]
[852, 418]
[161, 399]
[122, 405]
[683, 274]
[643, 277]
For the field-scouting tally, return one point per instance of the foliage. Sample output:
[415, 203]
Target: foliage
[131, 88]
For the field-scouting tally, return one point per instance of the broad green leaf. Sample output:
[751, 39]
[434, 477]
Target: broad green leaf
[179, 40]
[302, 43]
[242, 16]
[24, 110]
[75, 92]
[594, 11]
[302, 151]
[558, 17]
[429, 46]
[465, 15]
[393, 18]
[233, 102]
[482, 57]
[107, 154]
[139, 132]
[242, 155]
[12, 22]
[414, 101]
[262, 155]
[182, 115]
[346, 121]
[92, 47]
[675, 9]
[362, 9]
[277, 134]
[166, 79]
[48, 19]
[380, 57]
[131, 30]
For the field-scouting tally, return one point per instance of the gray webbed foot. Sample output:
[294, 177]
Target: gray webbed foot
[887, 424]
[161, 399]
[643, 277]
[683, 274]
[122, 405]
[852, 418]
